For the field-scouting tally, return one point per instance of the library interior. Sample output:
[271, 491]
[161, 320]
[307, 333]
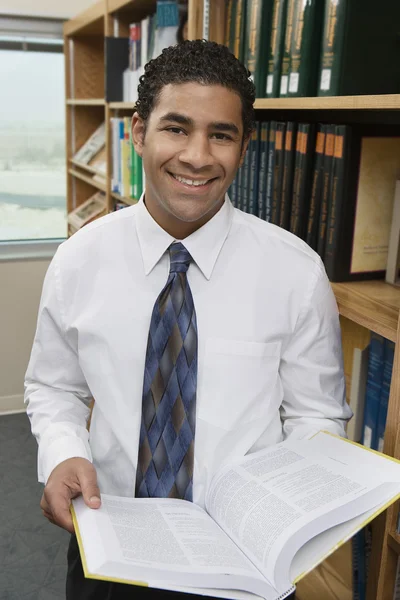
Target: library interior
[319, 173]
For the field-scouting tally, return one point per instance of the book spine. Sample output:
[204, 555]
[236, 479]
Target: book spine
[332, 48]
[239, 191]
[278, 172]
[388, 358]
[315, 199]
[240, 18]
[276, 45]
[337, 198]
[263, 171]
[228, 23]
[135, 36]
[327, 168]
[232, 27]
[294, 216]
[374, 387]
[246, 180]
[270, 170]
[254, 170]
[287, 178]
[305, 48]
[284, 81]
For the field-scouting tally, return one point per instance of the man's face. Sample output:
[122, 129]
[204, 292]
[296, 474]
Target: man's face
[191, 151]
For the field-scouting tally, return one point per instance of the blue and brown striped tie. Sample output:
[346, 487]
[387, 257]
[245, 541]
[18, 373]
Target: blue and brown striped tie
[166, 447]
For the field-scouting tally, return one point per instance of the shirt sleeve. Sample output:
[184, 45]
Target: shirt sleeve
[311, 369]
[56, 393]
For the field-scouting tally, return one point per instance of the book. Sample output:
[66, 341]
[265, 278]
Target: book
[373, 391]
[316, 189]
[280, 136]
[276, 45]
[263, 170]
[285, 68]
[360, 51]
[254, 169]
[269, 518]
[239, 29]
[257, 35]
[388, 357]
[305, 48]
[326, 186]
[302, 179]
[287, 179]
[364, 209]
[270, 170]
[92, 145]
[89, 210]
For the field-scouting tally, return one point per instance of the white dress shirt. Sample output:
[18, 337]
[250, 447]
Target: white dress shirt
[269, 345]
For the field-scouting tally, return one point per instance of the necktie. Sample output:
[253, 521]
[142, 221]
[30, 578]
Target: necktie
[166, 447]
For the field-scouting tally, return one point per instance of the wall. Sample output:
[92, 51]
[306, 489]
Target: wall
[60, 9]
[20, 290]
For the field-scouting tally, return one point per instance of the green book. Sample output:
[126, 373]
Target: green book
[239, 23]
[257, 35]
[276, 45]
[230, 25]
[136, 175]
[360, 51]
[305, 48]
[285, 69]
[303, 177]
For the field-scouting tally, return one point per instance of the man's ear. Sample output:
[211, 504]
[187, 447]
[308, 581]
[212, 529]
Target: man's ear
[243, 150]
[138, 128]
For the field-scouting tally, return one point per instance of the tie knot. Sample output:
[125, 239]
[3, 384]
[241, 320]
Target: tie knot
[180, 258]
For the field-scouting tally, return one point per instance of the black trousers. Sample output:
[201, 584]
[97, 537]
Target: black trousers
[80, 588]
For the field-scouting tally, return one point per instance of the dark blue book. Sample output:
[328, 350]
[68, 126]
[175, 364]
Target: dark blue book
[270, 170]
[246, 180]
[254, 169]
[388, 356]
[263, 169]
[373, 391]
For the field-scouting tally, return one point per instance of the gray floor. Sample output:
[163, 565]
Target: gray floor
[32, 551]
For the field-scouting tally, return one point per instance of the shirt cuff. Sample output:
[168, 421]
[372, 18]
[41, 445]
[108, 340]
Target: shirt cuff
[59, 450]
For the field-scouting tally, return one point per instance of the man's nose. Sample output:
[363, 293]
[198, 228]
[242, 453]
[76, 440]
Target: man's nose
[197, 152]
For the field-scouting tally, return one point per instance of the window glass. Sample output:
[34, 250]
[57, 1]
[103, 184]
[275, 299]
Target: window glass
[32, 145]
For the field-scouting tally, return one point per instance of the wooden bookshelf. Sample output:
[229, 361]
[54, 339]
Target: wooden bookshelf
[374, 304]
[130, 201]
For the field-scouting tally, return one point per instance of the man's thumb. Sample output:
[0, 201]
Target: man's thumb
[90, 490]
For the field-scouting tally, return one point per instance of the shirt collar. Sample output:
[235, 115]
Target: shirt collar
[204, 244]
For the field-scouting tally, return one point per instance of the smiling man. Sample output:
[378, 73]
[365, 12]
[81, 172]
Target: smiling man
[202, 333]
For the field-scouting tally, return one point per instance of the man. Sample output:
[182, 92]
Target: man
[180, 310]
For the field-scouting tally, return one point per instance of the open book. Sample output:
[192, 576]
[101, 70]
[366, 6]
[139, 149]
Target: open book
[269, 519]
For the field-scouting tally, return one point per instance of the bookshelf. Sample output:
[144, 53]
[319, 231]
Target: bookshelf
[374, 304]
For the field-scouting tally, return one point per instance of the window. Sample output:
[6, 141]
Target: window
[32, 131]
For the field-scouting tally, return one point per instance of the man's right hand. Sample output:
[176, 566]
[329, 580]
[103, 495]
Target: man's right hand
[68, 480]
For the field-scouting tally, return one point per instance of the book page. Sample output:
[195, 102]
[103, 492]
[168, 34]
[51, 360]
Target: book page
[279, 497]
[153, 540]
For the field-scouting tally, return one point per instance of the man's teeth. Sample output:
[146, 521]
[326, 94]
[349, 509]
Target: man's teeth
[191, 181]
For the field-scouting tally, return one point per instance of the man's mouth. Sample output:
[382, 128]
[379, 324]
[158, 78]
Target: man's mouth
[192, 182]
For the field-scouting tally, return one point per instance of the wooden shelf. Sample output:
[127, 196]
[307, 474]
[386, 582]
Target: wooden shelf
[86, 102]
[121, 105]
[378, 102]
[86, 168]
[131, 5]
[372, 304]
[130, 201]
[394, 541]
[87, 179]
[89, 22]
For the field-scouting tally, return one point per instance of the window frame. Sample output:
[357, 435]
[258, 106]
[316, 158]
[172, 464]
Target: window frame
[32, 34]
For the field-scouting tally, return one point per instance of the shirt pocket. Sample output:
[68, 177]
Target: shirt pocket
[238, 381]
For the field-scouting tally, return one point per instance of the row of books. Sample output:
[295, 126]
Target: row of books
[127, 171]
[368, 366]
[147, 39]
[316, 47]
[331, 185]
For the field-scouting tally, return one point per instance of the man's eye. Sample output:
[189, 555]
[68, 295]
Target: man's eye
[221, 136]
[176, 130]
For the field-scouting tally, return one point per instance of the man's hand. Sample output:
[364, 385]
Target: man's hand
[68, 480]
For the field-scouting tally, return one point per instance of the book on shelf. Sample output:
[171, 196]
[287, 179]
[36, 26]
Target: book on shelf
[92, 146]
[257, 33]
[127, 171]
[331, 185]
[269, 519]
[88, 211]
[276, 46]
[360, 52]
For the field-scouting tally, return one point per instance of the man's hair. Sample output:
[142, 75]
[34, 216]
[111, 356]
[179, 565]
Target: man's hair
[197, 61]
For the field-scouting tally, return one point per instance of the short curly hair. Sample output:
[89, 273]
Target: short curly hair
[199, 61]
